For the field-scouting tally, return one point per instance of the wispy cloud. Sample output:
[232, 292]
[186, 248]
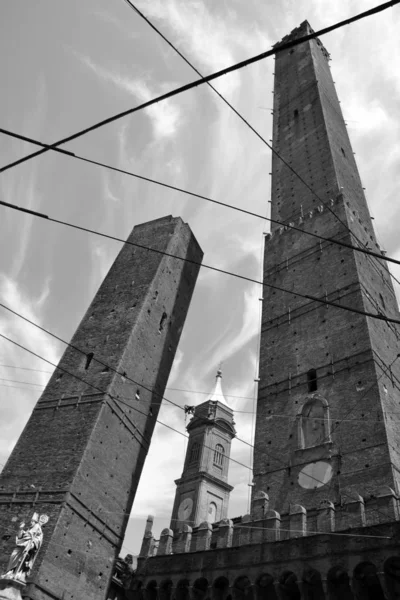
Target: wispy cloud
[165, 116]
[14, 414]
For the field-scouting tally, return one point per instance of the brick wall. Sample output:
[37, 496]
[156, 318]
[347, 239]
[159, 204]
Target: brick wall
[80, 456]
[350, 352]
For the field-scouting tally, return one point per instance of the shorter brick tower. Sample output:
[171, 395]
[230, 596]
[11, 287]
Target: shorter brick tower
[203, 491]
[80, 456]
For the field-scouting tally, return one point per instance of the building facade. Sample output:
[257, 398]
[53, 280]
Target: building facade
[325, 504]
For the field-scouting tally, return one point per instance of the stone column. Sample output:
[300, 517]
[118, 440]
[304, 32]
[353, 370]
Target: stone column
[353, 511]
[386, 503]
[148, 541]
[272, 524]
[182, 544]
[165, 545]
[204, 536]
[259, 505]
[245, 530]
[326, 516]
[298, 521]
[225, 533]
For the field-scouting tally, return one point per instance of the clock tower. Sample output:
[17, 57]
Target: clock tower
[203, 491]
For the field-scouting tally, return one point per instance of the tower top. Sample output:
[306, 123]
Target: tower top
[301, 31]
[217, 394]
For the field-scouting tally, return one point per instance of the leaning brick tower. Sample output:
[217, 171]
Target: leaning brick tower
[328, 418]
[80, 456]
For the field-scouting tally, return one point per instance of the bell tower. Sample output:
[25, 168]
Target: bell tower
[203, 491]
[327, 412]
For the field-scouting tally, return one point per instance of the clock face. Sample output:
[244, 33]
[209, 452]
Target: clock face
[315, 475]
[185, 509]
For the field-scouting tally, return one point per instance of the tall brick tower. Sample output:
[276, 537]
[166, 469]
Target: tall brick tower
[202, 492]
[328, 418]
[80, 456]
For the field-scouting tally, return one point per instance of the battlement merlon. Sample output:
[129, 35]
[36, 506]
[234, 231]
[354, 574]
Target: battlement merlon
[303, 30]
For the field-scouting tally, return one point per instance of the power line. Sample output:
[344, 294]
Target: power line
[26, 369]
[119, 400]
[363, 250]
[208, 78]
[238, 114]
[236, 411]
[103, 392]
[378, 316]
[123, 374]
[17, 381]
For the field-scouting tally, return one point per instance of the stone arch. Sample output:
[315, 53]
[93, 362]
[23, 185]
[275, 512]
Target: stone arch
[264, 587]
[313, 423]
[242, 588]
[288, 587]
[339, 584]
[391, 569]
[136, 589]
[200, 589]
[151, 592]
[165, 589]
[366, 582]
[312, 585]
[182, 590]
[220, 589]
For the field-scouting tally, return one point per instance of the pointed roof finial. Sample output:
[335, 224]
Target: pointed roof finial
[217, 394]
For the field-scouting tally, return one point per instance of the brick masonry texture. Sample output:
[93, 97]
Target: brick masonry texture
[352, 354]
[306, 539]
[80, 456]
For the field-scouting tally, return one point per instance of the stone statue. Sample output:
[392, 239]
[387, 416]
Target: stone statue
[27, 545]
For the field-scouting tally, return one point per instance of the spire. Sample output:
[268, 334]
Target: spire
[217, 393]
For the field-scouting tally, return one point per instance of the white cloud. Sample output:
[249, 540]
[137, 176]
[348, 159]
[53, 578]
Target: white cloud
[164, 116]
[212, 43]
[17, 403]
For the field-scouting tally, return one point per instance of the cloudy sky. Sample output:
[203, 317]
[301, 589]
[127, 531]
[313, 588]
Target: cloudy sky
[67, 65]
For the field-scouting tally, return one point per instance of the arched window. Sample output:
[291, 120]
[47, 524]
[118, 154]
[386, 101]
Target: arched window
[314, 423]
[312, 380]
[212, 512]
[219, 453]
[194, 453]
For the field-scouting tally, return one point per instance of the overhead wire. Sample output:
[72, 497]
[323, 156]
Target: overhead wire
[238, 114]
[322, 300]
[38, 214]
[203, 80]
[130, 406]
[236, 411]
[141, 385]
[331, 240]
[103, 392]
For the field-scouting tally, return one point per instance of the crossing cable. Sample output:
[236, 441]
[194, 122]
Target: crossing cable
[202, 80]
[269, 454]
[236, 411]
[363, 250]
[324, 300]
[103, 392]
[115, 398]
[119, 400]
[274, 151]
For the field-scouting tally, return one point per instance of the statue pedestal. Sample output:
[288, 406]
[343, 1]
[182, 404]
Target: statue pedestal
[10, 589]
